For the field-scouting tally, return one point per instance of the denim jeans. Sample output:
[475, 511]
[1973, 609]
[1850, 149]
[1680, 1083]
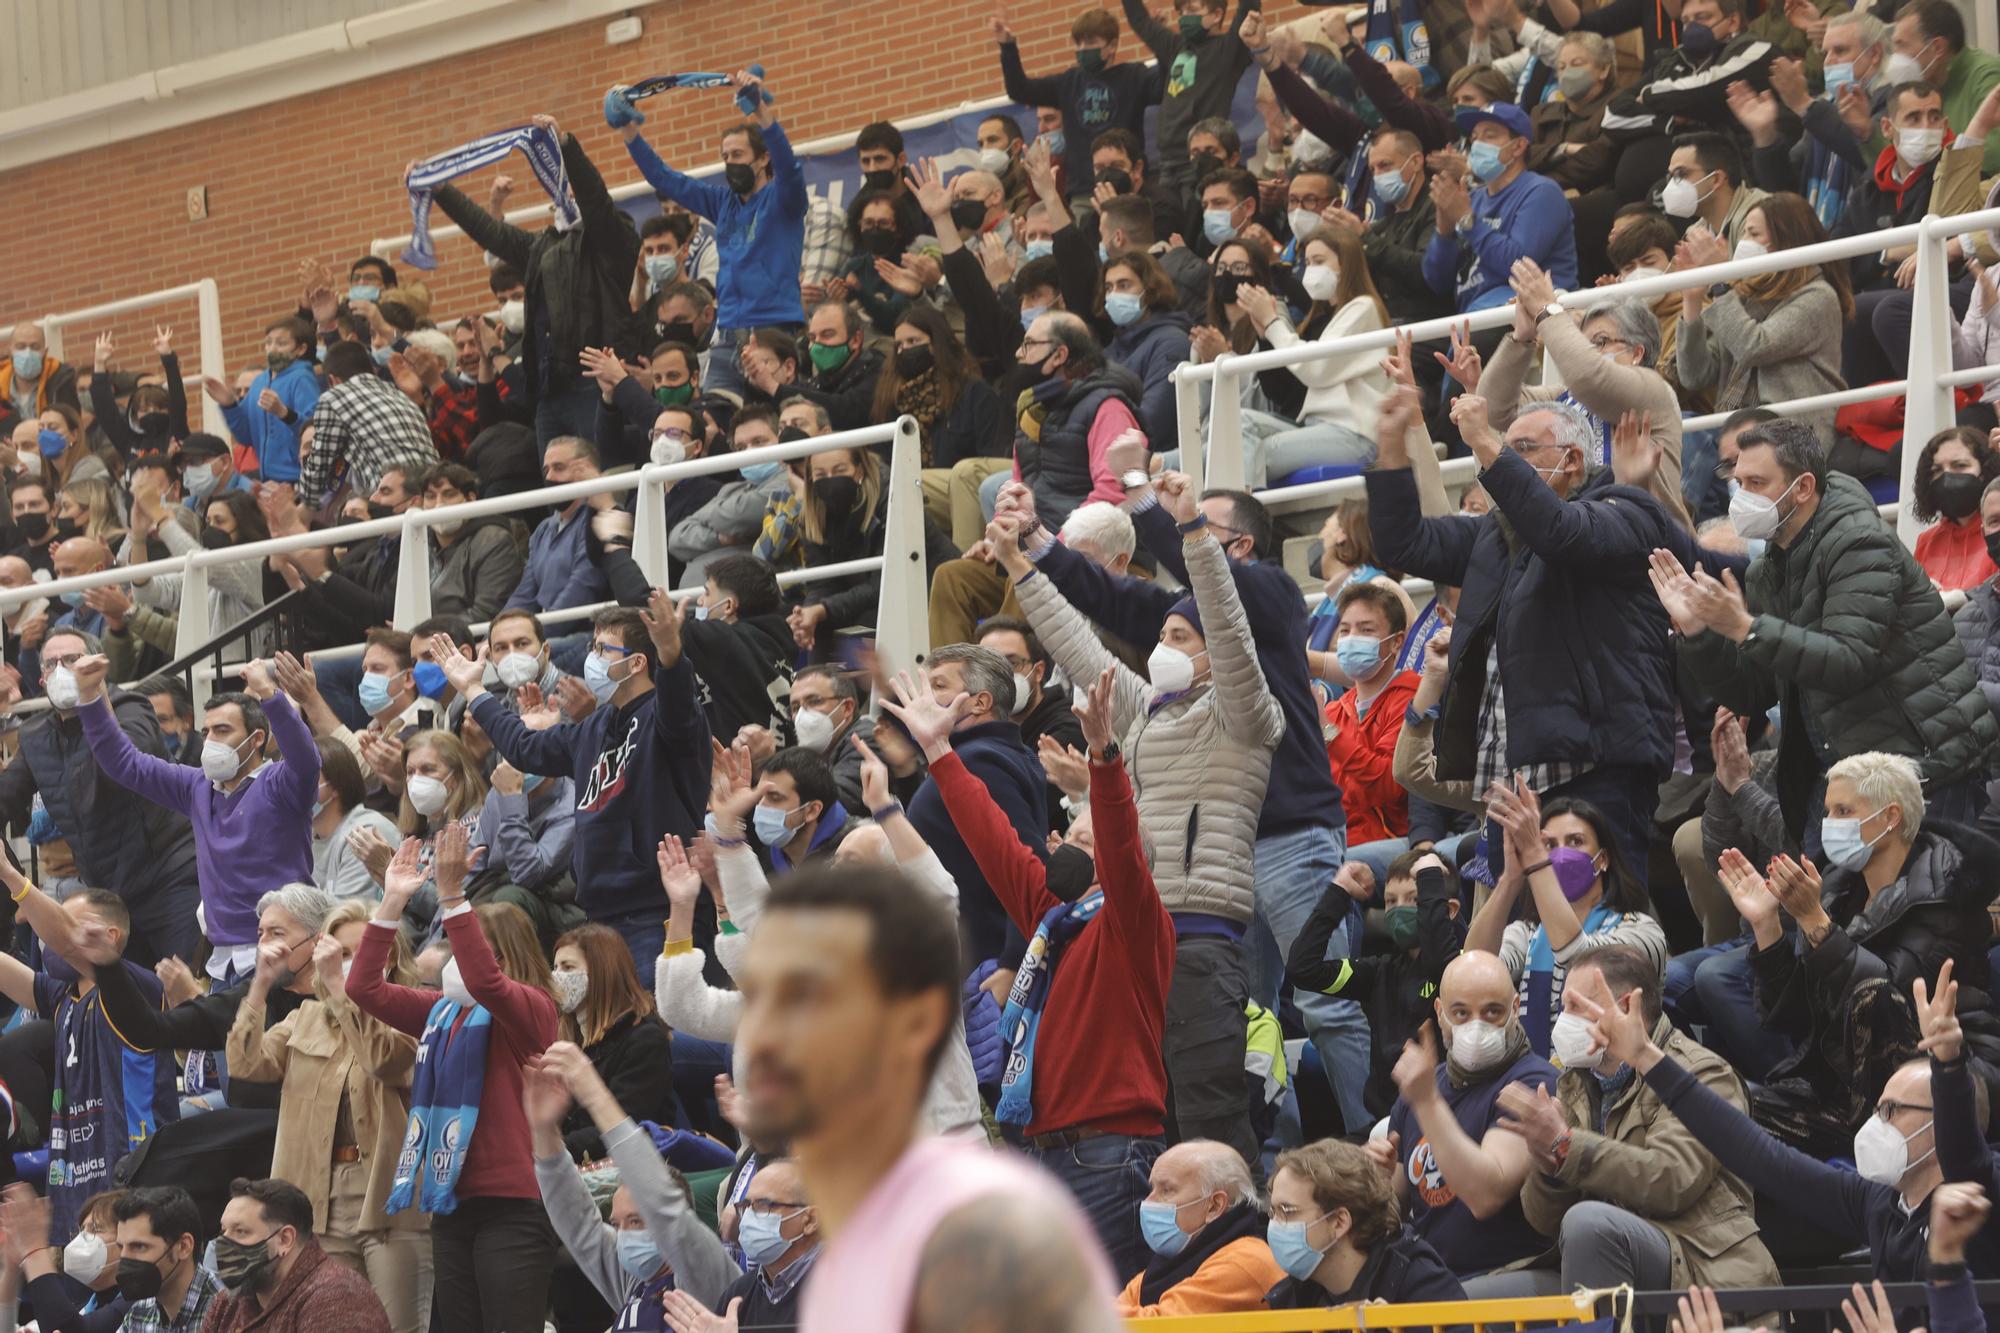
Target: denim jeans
[1714, 989]
[1293, 870]
[645, 934]
[566, 653]
[1108, 1176]
[340, 686]
[1376, 856]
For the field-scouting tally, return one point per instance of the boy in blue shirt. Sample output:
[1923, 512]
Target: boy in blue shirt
[278, 403]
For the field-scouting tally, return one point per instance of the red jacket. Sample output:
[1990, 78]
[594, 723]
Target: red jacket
[500, 1164]
[1954, 554]
[1097, 1052]
[1362, 751]
[319, 1295]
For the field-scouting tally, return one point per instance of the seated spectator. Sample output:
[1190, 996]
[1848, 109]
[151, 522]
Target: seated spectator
[778, 1230]
[1396, 988]
[966, 433]
[1118, 159]
[1978, 621]
[426, 370]
[1396, 230]
[1629, 1194]
[89, 508]
[1126, 223]
[1228, 328]
[1370, 1258]
[29, 508]
[1953, 472]
[799, 817]
[737, 639]
[844, 370]
[270, 417]
[475, 564]
[1506, 212]
[609, 1016]
[1706, 185]
[1455, 1170]
[283, 1282]
[1149, 334]
[81, 1295]
[235, 591]
[339, 813]
[1223, 1265]
[164, 1278]
[527, 829]
[520, 654]
[1570, 147]
[1773, 337]
[1900, 898]
[1582, 897]
[879, 235]
[1642, 245]
[735, 514]
[344, 1081]
[349, 592]
[557, 576]
[1826, 161]
[1928, 43]
[30, 379]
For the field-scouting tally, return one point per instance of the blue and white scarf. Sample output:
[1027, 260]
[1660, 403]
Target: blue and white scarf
[544, 154]
[1603, 455]
[1542, 981]
[619, 111]
[1828, 178]
[1023, 1015]
[1400, 35]
[444, 1108]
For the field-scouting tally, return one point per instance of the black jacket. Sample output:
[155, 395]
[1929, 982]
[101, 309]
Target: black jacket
[1165, 1272]
[507, 460]
[1052, 717]
[1401, 1270]
[200, 1024]
[1563, 585]
[759, 1310]
[847, 394]
[854, 598]
[357, 594]
[579, 281]
[1681, 88]
[978, 425]
[635, 1059]
[121, 840]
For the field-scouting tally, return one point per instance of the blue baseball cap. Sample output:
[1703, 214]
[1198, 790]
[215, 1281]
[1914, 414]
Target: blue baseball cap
[1506, 113]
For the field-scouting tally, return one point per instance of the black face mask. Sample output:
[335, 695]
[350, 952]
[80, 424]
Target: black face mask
[914, 361]
[885, 244]
[741, 177]
[1993, 547]
[1117, 178]
[1226, 286]
[67, 528]
[33, 526]
[215, 539]
[885, 179]
[139, 1280]
[1699, 40]
[680, 331]
[1071, 872]
[376, 509]
[153, 423]
[837, 496]
[1203, 163]
[967, 214]
[1956, 494]
[792, 435]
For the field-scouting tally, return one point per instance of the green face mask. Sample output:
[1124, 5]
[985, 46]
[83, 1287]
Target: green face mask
[1402, 924]
[1090, 59]
[828, 356]
[678, 395]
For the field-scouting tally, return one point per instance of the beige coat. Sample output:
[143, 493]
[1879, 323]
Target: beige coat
[1648, 1163]
[316, 1052]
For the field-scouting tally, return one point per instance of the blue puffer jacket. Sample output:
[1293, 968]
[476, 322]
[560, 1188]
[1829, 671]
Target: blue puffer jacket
[1150, 348]
[1584, 654]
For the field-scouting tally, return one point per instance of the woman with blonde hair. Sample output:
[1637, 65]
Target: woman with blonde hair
[344, 1078]
[88, 507]
[490, 1239]
[441, 784]
[607, 1013]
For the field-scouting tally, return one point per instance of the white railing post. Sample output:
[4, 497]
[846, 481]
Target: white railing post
[214, 361]
[1187, 426]
[1225, 433]
[193, 628]
[1927, 401]
[52, 336]
[902, 621]
[649, 531]
[413, 574]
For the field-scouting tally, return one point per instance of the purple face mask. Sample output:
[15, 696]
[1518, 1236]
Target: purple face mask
[1576, 871]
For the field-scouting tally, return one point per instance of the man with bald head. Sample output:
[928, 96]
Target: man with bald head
[26, 623]
[80, 555]
[32, 381]
[1457, 1172]
[1205, 1232]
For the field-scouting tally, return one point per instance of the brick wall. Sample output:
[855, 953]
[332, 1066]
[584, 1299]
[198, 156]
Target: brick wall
[319, 177]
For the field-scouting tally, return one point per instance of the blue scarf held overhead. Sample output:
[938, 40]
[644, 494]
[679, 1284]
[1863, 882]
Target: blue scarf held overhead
[444, 1108]
[1023, 1015]
[619, 111]
[544, 156]
[1539, 988]
[1828, 179]
[1400, 35]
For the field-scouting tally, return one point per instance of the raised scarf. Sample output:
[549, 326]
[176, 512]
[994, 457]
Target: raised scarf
[544, 156]
[444, 1108]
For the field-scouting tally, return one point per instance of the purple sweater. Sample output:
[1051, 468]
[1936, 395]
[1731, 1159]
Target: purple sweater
[246, 842]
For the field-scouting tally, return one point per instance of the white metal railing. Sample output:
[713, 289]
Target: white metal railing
[208, 323]
[1927, 409]
[902, 623]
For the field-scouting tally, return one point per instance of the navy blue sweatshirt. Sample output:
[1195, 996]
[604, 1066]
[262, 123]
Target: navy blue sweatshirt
[1010, 771]
[641, 772]
[1302, 793]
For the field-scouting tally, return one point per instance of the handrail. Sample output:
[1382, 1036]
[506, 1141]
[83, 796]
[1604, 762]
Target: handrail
[269, 611]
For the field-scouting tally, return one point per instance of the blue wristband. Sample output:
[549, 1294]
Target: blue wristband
[888, 811]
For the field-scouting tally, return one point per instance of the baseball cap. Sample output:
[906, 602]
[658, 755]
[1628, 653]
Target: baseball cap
[1506, 113]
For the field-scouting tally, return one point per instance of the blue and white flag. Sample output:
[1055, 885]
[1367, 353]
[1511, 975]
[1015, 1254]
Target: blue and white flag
[544, 154]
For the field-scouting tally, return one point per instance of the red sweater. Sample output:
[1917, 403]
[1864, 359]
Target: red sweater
[1954, 554]
[1097, 1052]
[501, 1163]
[1363, 754]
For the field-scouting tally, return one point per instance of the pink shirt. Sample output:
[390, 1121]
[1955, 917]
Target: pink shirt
[866, 1276]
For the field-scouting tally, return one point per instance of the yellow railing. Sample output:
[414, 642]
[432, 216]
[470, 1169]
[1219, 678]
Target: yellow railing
[1478, 1316]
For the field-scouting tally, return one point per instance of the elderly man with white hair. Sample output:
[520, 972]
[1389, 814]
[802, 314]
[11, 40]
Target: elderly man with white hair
[1559, 671]
[1205, 1228]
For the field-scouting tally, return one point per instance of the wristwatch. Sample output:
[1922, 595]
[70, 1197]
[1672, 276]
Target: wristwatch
[1133, 478]
[1110, 754]
[1552, 308]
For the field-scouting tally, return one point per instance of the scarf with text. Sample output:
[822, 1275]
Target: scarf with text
[544, 154]
[1023, 1015]
[444, 1108]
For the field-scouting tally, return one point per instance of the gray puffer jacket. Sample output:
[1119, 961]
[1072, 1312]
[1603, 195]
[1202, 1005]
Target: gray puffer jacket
[1201, 760]
[1978, 626]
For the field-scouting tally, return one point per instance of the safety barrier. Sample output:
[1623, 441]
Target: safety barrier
[1927, 409]
[902, 623]
[208, 320]
[1478, 1316]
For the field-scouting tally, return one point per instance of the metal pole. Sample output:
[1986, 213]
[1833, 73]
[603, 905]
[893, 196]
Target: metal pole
[1225, 431]
[413, 576]
[214, 360]
[1927, 402]
[1187, 424]
[902, 621]
[649, 531]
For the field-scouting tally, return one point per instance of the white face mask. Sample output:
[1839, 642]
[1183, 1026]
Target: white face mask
[1882, 1155]
[1750, 248]
[1918, 147]
[1170, 669]
[1643, 271]
[1304, 222]
[1756, 518]
[517, 669]
[513, 316]
[815, 729]
[667, 450]
[219, 762]
[1681, 198]
[31, 462]
[1478, 1046]
[1024, 694]
[1571, 1043]
[427, 794]
[61, 688]
[570, 988]
[994, 161]
[453, 985]
[84, 1257]
[1902, 69]
[449, 527]
[1320, 281]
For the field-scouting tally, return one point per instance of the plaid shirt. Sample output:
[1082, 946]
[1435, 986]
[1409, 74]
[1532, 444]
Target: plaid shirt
[361, 429]
[454, 416]
[147, 1317]
[828, 247]
[1491, 764]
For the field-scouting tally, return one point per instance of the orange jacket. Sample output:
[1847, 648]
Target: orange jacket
[1233, 1280]
[1362, 751]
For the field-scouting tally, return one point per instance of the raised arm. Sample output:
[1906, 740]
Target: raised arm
[158, 780]
[525, 1011]
[1486, 1175]
[1071, 639]
[1250, 713]
[489, 233]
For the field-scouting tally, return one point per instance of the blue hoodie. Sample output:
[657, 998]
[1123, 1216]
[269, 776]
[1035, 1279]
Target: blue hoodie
[276, 442]
[641, 772]
[1529, 219]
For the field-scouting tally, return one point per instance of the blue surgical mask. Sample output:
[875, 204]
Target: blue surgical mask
[1124, 307]
[637, 1254]
[1288, 1246]
[1160, 1224]
[1054, 139]
[1031, 313]
[1390, 187]
[597, 677]
[51, 442]
[663, 268]
[430, 679]
[1040, 249]
[1103, 254]
[1483, 160]
[759, 1236]
[374, 692]
[28, 363]
[1844, 845]
[198, 479]
[73, 598]
[1215, 225]
[772, 830]
[1838, 77]
[382, 355]
[759, 473]
[364, 291]
[1358, 655]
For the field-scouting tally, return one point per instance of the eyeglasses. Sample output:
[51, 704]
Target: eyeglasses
[1235, 270]
[771, 1207]
[1600, 344]
[67, 660]
[1313, 201]
[1887, 1109]
[1038, 342]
